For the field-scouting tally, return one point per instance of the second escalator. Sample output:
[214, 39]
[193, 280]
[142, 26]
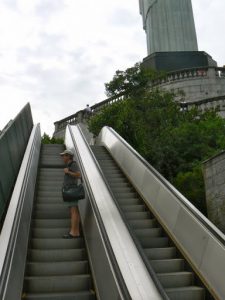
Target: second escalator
[172, 270]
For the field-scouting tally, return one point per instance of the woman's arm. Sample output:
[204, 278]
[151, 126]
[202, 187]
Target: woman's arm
[73, 174]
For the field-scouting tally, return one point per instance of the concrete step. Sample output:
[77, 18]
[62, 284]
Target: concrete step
[58, 284]
[168, 265]
[64, 268]
[161, 253]
[87, 295]
[176, 279]
[186, 293]
[50, 244]
[57, 255]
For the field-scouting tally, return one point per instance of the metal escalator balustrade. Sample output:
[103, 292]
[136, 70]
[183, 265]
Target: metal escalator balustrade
[171, 269]
[198, 241]
[132, 274]
[13, 142]
[56, 268]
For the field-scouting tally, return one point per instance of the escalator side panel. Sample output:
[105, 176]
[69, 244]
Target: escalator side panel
[199, 241]
[17, 222]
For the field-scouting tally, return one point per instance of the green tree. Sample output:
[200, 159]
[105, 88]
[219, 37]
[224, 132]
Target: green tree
[132, 81]
[46, 139]
[175, 142]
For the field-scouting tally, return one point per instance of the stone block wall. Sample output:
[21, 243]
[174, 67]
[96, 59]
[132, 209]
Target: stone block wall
[214, 176]
[198, 88]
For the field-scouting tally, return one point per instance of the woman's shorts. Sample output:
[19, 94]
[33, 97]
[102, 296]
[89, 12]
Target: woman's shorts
[71, 203]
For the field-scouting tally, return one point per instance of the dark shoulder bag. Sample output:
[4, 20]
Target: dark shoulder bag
[73, 192]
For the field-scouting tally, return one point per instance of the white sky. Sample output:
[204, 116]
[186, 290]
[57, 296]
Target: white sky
[57, 54]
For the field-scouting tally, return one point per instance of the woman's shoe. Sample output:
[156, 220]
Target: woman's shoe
[70, 236]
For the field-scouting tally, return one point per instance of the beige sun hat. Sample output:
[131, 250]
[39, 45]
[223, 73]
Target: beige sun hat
[67, 152]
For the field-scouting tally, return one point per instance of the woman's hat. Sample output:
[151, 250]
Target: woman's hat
[67, 152]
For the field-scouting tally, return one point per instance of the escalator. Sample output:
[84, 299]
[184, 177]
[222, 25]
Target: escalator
[141, 239]
[56, 268]
[170, 267]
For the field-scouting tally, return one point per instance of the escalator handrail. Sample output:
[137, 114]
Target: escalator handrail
[124, 288]
[10, 227]
[206, 222]
[137, 243]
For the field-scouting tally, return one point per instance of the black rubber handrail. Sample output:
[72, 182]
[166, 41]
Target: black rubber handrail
[212, 228]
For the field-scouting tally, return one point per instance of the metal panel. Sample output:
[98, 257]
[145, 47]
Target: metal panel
[132, 268]
[15, 231]
[202, 244]
[13, 142]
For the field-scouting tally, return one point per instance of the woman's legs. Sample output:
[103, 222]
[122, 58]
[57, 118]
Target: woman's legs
[75, 221]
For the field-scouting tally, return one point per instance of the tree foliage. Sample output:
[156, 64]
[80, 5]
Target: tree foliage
[132, 81]
[46, 139]
[174, 141]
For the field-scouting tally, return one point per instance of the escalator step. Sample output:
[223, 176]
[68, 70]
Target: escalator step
[53, 214]
[157, 242]
[186, 293]
[50, 200]
[51, 207]
[137, 215]
[150, 232]
[51, 223]
[57, 268]
[129, 201]
[90, 295]
[49, 233]
[133, 208]
[175, 280]
[58, 284]
[57, 255]
[168, 265]
[56, 193]
[141, 224]
[161, 253]
[57, 243]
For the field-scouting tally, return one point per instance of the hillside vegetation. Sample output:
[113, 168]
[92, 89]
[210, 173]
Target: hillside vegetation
[173, 140]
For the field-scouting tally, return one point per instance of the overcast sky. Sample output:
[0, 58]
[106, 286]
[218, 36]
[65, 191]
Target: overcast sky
[57, 54]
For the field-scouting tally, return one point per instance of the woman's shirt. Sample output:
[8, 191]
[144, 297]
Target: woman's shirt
[69, 179]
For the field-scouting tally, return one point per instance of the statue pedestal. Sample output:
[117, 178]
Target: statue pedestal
[179, 60]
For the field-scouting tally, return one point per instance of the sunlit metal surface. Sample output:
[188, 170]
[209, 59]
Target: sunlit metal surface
[15, 231]
[201, 242]
[135, 274]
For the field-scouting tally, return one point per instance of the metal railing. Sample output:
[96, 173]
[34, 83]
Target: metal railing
[13, 142]
[194, 73]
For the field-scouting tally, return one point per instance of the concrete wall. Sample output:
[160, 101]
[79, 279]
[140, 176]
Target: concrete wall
[198, 88]
[214, 175]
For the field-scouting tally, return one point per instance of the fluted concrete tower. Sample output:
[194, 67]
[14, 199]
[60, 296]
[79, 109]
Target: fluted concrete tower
[171, 35]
